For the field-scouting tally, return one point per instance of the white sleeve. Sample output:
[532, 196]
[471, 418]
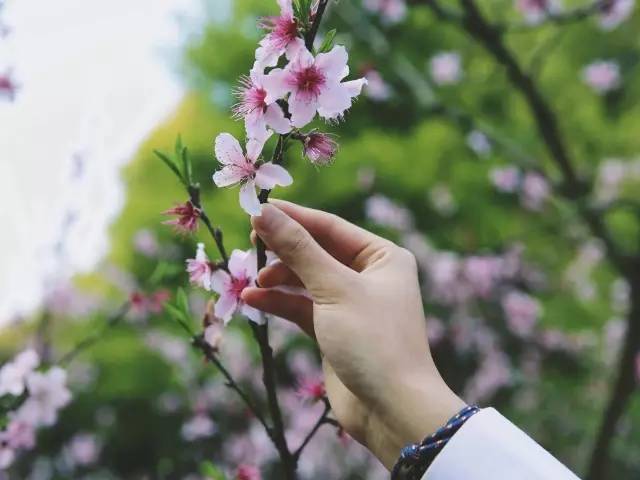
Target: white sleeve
[490, 447]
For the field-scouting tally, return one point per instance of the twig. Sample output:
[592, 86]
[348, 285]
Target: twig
[321, 421]
[317, 19]
[95, 337]
[216, 233]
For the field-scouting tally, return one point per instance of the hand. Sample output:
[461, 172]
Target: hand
[368, 319]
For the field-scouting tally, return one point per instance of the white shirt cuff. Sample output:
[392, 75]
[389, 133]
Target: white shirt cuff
[490, 447]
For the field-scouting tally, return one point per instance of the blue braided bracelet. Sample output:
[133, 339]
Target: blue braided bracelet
[415, 458]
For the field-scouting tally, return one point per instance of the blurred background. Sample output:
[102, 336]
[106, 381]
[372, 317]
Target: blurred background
[531, 277]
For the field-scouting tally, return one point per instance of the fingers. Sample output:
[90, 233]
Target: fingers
[324, 276]
[278, 274]
[345, 241]
[295, 308]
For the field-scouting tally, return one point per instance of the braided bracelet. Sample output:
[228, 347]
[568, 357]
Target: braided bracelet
[415, 458]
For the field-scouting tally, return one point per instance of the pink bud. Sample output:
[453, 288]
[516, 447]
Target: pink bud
[187, 217]
[320, 148]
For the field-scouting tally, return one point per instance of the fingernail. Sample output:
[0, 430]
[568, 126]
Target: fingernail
[266, 221]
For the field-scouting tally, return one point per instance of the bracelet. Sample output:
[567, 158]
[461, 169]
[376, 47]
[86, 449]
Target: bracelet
[415, 458]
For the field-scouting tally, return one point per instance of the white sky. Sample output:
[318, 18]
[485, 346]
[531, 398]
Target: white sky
[95, 78]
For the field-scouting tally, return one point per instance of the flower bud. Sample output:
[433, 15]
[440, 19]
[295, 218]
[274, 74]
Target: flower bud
[320, 148]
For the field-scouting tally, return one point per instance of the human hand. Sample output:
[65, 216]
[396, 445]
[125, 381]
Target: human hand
[367, 317]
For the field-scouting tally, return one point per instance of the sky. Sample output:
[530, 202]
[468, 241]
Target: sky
[95, 78]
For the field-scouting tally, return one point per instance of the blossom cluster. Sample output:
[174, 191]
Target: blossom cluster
[610, 14]
[284, 98]
[532, 186]
[39, 396]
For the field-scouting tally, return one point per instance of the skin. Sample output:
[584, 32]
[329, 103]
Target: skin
[367, 317]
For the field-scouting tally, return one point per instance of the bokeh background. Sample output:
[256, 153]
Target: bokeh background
[526, 311]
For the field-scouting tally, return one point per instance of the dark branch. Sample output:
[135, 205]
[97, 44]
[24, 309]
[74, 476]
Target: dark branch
[216, 233]
[321, 421]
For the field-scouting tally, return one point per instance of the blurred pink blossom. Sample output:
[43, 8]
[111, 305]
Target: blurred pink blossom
[145, 242]
[377, 89]
[536, 11]
[442, 199]
[48, 393]
[13, 375]
[199, 268]
[198, 427]
[482, 273]
[19, 435]
[614, 12]
[602, 76]
[535, 190]
[505, 179]
[391, 11]
[8, 87]
[83, 449]
[383, 211]
[248, 472]
[493, 374]
[479, 143]
[446, 68]
[522, 312]
[311, 389]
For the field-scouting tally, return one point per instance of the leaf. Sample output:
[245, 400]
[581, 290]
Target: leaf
[186, 165]
[212, 472]
[327, 44]
[180, 317]
[170, 163]
[183, 302]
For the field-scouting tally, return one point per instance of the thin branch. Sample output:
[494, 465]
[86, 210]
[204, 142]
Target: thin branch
[321, 421]
[95, 337]
[216, 233]
[315, 26]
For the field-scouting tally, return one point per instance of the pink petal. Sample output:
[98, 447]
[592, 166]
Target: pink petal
[286, 7]
[302, 110]
[276, 85]
[253, 314]
[334, 63]
[256, 124]
[294, 48]
[228, 150]
[238, 263]
[267, 54]
[275, 118]
[219, 281]
[249, 199]
[269, 175]
[256, 144]
[225, 307]
[334, 100]
[228, 175]
[354, 87]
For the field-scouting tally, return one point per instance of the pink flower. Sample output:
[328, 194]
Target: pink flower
[602, 76]
[13, 374]
[83, 449]
[377, 89]
[446, 68]
[145, 242]
[48, 393]
[391, 11]
[283, 37]
[7, 87]
[483, 273]
[242, 274]
[535, 11]
[506, 180]
[7, 455]
[479, 143]
[385, 212]
[320, 148]
[198, 427]
[19, 435]
[257, 114]
[187, 217]
[614, 12]
[311, 389]
[248, 472]
[199, 269]
[493, 374]
[535, 190]
[315, 85]
[522, 312]
[245, 169]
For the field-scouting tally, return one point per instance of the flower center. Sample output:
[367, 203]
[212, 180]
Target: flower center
[238, 284]
[252, 98]
[309, 81]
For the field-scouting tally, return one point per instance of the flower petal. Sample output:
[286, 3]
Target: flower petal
[269, 175]
[302, 110]
[219, 281]
[256, 124]
[276, 85]
[286, 7]
[238, 263]
[334, 100]
[354, 87]
[253, 314]
[228, 175]
[225, 307]
[294, 48]
[249, 199]
[256, 144]
[228, 150]
[274, 117]
[334, 63]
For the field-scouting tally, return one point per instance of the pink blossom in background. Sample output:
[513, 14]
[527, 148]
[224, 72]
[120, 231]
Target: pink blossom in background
[253, 108]
[377, 89]
[602, 76]
[19, 435]
[187, 216]
[7, 455]
[522, 312]
[282, 37]
[505, 179]
[213, 335]
[48, 393]
[311, 389]
[173, 349]
[493, 374]
[535, 11]
[83, 449]
[13, 375]
[242, 274]
[391, 11]
[535, 191]
[238, 168]
[198, 427]
[442, 199]
[383, 211]
[145, 242]
[248, 472]
[638, 367]
[446, 68]
[199, 268]
[482, 273]
[614, 12]
[315, 85]
[320, 148]
[479, 143]
[8, 87]
[611, 175]
[436, 330]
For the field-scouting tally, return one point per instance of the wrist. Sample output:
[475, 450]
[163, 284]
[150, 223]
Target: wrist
[420, 404]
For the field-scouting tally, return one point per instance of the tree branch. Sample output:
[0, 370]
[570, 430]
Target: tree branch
[216, 233]
[321, 421]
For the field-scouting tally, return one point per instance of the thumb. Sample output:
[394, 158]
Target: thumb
[321, 274]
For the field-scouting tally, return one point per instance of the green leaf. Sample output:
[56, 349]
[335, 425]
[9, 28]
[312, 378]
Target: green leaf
[170, 163]
[327, 44]
[212, 472]
[183, 302]
[186, 165]
[179, 317]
